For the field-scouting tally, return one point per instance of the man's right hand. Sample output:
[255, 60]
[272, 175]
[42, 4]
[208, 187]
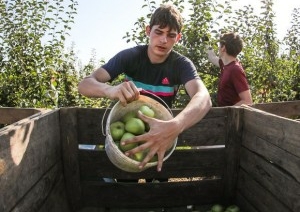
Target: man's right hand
[125, 92]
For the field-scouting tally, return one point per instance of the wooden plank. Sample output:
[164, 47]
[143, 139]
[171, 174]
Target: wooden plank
[90, 125]
[151, 194]
[208, 132]
[68, 131]
[271, 176]
[233, 143]
[211, 129]
[288, 109]
[9, 115]
[182, 163]
[28, 150]
[48, 194]
[259, 197]
[286, 161]
[281, 132]
[244, 204]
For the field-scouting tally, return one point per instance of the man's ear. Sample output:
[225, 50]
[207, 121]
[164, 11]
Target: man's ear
[148, 29]
[178, 37]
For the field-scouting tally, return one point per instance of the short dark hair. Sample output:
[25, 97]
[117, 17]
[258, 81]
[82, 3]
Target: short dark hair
[232, 42]
[167, 15]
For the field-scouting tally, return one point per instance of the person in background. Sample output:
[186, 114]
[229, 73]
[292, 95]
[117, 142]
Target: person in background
[158, 69]
[233, 87]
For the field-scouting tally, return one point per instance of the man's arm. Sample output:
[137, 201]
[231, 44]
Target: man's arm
[197, 107]
[245, 97]
[163, 133]
[95, 85]
[212, 57]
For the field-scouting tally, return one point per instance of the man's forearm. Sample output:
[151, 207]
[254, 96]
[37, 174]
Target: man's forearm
[196, 109]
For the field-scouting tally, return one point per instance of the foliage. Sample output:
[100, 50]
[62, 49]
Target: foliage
[37, 71]
[272, 74]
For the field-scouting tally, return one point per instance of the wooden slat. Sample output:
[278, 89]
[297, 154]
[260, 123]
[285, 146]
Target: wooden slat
[90, 125]
[281, 132]
[288, 109]
[28, 150]
[182, 163]
[279, 157]
[10, 115]
[244, 204]
[48, 194]
[260, 198]
[142, 195]
[209, 131]
[272, 177]
[68, 131]
[234, 140]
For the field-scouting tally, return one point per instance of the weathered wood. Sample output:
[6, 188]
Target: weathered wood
[246, 205]
[286, 161]
[282, 132]
[260, 198]
[68, 131]
[28, 150]
[272, 176]
[47, 193]
[288, 109]
[9, 115]
[211, 128]
[57, 200]
[235, 155]
[151, 194]
[193, 163]
[233, 143]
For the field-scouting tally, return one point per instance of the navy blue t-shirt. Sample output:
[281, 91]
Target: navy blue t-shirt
[161, 79]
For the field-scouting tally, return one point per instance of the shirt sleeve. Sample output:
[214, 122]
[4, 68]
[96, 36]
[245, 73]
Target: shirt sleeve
[239, 80]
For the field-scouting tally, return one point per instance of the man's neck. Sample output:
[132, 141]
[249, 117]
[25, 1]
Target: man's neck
[156, 59]
[228, 59]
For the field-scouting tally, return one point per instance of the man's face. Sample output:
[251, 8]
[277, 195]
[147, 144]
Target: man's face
[222, 50]
[162, 40]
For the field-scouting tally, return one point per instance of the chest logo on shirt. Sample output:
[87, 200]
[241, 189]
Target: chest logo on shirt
[165, 81]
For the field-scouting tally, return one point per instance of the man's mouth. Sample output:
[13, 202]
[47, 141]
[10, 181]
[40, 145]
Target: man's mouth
[161, 48]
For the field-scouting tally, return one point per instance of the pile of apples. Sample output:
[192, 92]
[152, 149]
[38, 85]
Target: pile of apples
[129, 126]
[221, 208]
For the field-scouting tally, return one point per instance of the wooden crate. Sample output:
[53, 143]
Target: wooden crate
[235, 155]
[31, 177]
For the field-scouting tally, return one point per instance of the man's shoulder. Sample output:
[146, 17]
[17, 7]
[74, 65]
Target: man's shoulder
[176, 56]
[136, 49]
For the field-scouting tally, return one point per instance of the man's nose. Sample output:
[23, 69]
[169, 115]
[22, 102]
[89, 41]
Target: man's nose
[163, 39]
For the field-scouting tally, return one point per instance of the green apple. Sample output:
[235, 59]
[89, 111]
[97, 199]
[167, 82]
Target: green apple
[139, 156]
[233, 208]
[135, 126]
[117, 129]
[129, 115]
[147, 111]
[130, 146]
[154, 159]
[217, 208]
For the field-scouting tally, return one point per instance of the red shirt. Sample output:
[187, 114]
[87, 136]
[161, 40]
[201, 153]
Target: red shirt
[232, 81]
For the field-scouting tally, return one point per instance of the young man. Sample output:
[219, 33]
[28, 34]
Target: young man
[158, 69]
[233, 88]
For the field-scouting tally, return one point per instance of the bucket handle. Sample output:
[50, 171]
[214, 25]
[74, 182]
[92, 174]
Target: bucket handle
[103, 117]
[139, 89]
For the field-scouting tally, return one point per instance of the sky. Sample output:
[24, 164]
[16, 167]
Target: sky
[100, 25]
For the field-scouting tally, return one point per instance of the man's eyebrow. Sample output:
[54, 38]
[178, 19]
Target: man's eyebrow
[169, 32]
